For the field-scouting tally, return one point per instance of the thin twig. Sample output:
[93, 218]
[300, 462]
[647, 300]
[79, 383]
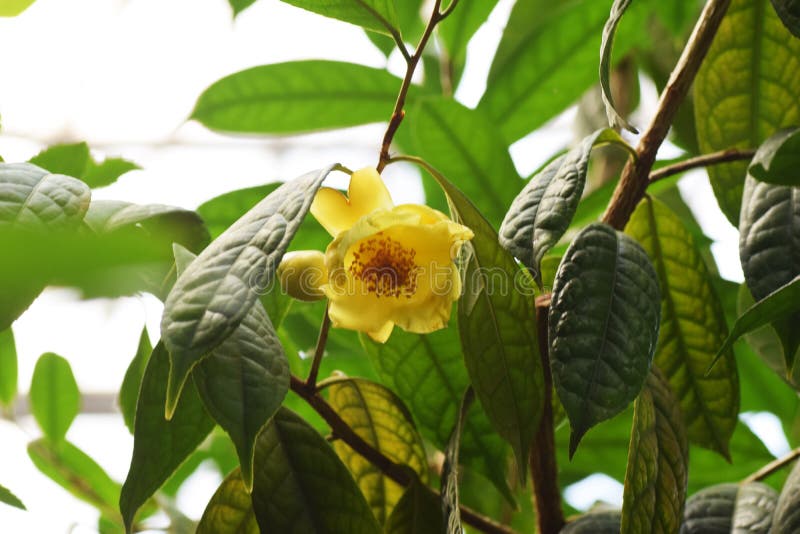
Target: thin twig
[773, 466]
[341, 430]
[449, 9]
[411, 65]
[723, 156]
[635, 177]
[322, 340]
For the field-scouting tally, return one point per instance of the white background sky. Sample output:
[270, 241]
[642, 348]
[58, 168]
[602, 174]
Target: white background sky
[123, 75]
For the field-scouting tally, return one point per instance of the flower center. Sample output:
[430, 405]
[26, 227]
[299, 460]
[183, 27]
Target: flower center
[386, 267]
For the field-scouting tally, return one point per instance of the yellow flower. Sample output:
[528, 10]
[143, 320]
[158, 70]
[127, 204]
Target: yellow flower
[387, 265]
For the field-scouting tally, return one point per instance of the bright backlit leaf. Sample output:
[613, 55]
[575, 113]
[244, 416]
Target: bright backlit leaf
[376, 15]
[8, 368]
[230, 510]
[54, 396]
[75, 160]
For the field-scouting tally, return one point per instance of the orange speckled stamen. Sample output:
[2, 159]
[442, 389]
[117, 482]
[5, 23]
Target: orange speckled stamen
[386, 267]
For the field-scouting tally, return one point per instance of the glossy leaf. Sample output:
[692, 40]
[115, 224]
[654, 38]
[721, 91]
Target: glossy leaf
[746, 89]
[755, 505]
[230, 510]
[73, 470]
[417, 512]
[615, 120]
[450, 478]
[692, 327]
[543, 210]
[594, 523]
[789, 13]
[160, 446]
[301, 485]
[299, 96]
[710, 511]
[463, 144]
[129, 390]
[777, 159]
[427, 372]
[75, 160]
[54, 396]
[212, 297]
[12, 500]
[381, 419]
[658, 462]
[787, 510]
[603, 326]
[8, 368]
[498, 332]
[376, 15]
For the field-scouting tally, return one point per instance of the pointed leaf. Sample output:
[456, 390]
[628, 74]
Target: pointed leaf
[160, 446]
[75, 160]
[604, 319]
[417, 512]
[789, 13]
[12, 500]
[497, 326]
[301, 485]
[787, 510]
[615, 120]
[594, 523]
[692, 329]
[376, 15]
[755, 506]
[450, 477]
[380, 418]
[211, 298]
[778, 158]
[298, 96]
[54, 396]
[230, 510]
[658, 458]
[240, 5]
[543, 210]
[739, 98]
[129, 390]
[8, 368]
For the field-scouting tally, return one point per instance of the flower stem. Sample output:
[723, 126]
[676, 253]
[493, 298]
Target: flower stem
[723, 156]
[311, 382]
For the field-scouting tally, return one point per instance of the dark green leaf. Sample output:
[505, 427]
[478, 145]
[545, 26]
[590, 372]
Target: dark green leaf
[658, 458]
[212, 297]
[710, 511]
[301, 485]
[129, 390]
[746, 89]
[417, 512]
[603, 326]
[497, 325]
[54, 396]
[427, 372]
[615, 120]
[8, 368]
[543, 210]
[160, 446]
[222, 211]
[778, 158]
[594, 523]
[376, 15]
[693, 327]
[787, 510]
[240, 5]
[450, 502]
[381, 419]
[75, 160]
[300, 96]
[230, 510]
[457, 29]
[789, 13]
[73, 470]
[755, 504]
[12, 500]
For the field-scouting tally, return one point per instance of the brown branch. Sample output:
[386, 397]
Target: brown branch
[633, 183]
[773, 466]
[396, 472]
[411, 65]
[723, 156]
[544, 472]
[322, 340]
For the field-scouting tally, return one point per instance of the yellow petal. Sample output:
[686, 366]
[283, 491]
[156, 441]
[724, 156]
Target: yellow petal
[382, 335]
[366, 193]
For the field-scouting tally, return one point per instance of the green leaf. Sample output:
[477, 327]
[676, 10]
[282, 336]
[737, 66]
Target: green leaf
[12, 500]
[375, 15]
[594, 523]
[450, 477]
[160, 446]
[381, 419]
[301, 485]
[417, 512]
[129, 390]
[710, 511]
[692, 329]
[740, 99]
[54, 396]
[8, 368]
[787, 510]
[75, 160]
[458, 28]
[755, 505]
[222, 211]
[789, 13]
[547, 59]
[658, 458]
[543, 210]
[603, 326]
[73, 470]
[298, 96]
[240, 5]
[212, 297]
[497, 326]
[427, 372]
[230, 510]
[615, 120]
[777, 159]
[12, 8]
[463, 143]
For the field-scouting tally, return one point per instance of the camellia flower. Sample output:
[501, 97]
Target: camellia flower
[387, 265]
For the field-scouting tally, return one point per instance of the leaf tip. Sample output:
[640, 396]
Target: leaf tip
[574, 440]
